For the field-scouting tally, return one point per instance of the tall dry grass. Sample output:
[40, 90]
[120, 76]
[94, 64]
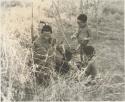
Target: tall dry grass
[17, 80]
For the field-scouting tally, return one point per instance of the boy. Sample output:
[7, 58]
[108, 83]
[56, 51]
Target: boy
[83, 34]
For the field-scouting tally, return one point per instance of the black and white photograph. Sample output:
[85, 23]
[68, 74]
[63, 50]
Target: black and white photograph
[62, 50]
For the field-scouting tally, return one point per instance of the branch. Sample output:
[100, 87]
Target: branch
[60, 23]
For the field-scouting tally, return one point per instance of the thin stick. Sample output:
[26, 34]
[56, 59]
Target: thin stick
[32, 49]
[81, 7]
[96, 15]
[32, 24]
[61, 24]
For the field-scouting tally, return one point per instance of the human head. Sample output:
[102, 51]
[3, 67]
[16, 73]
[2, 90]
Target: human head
[89, 52]
[44, 28]
[46, 31]
[82, 20]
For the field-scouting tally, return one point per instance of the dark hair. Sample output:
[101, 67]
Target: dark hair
[47, 28]
[82, 17]
[89, 51]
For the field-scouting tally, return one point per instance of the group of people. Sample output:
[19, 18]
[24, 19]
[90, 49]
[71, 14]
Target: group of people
[51, 56]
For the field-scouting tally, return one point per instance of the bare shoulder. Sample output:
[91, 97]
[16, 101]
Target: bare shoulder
[88, 30]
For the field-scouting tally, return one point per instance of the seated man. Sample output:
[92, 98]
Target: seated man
[89, 65]
[43, 51]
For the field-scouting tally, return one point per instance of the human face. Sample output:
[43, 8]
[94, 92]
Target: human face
[46, 35]
[80, 23]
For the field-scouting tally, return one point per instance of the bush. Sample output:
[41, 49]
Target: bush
[112, 10]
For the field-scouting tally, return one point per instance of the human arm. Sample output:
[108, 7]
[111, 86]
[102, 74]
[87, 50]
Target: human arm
[88, 35]
[74, 36]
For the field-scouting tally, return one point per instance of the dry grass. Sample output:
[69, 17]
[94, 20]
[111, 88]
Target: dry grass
[17, 78]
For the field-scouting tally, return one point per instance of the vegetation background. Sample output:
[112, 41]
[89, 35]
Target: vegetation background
[106, 21]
